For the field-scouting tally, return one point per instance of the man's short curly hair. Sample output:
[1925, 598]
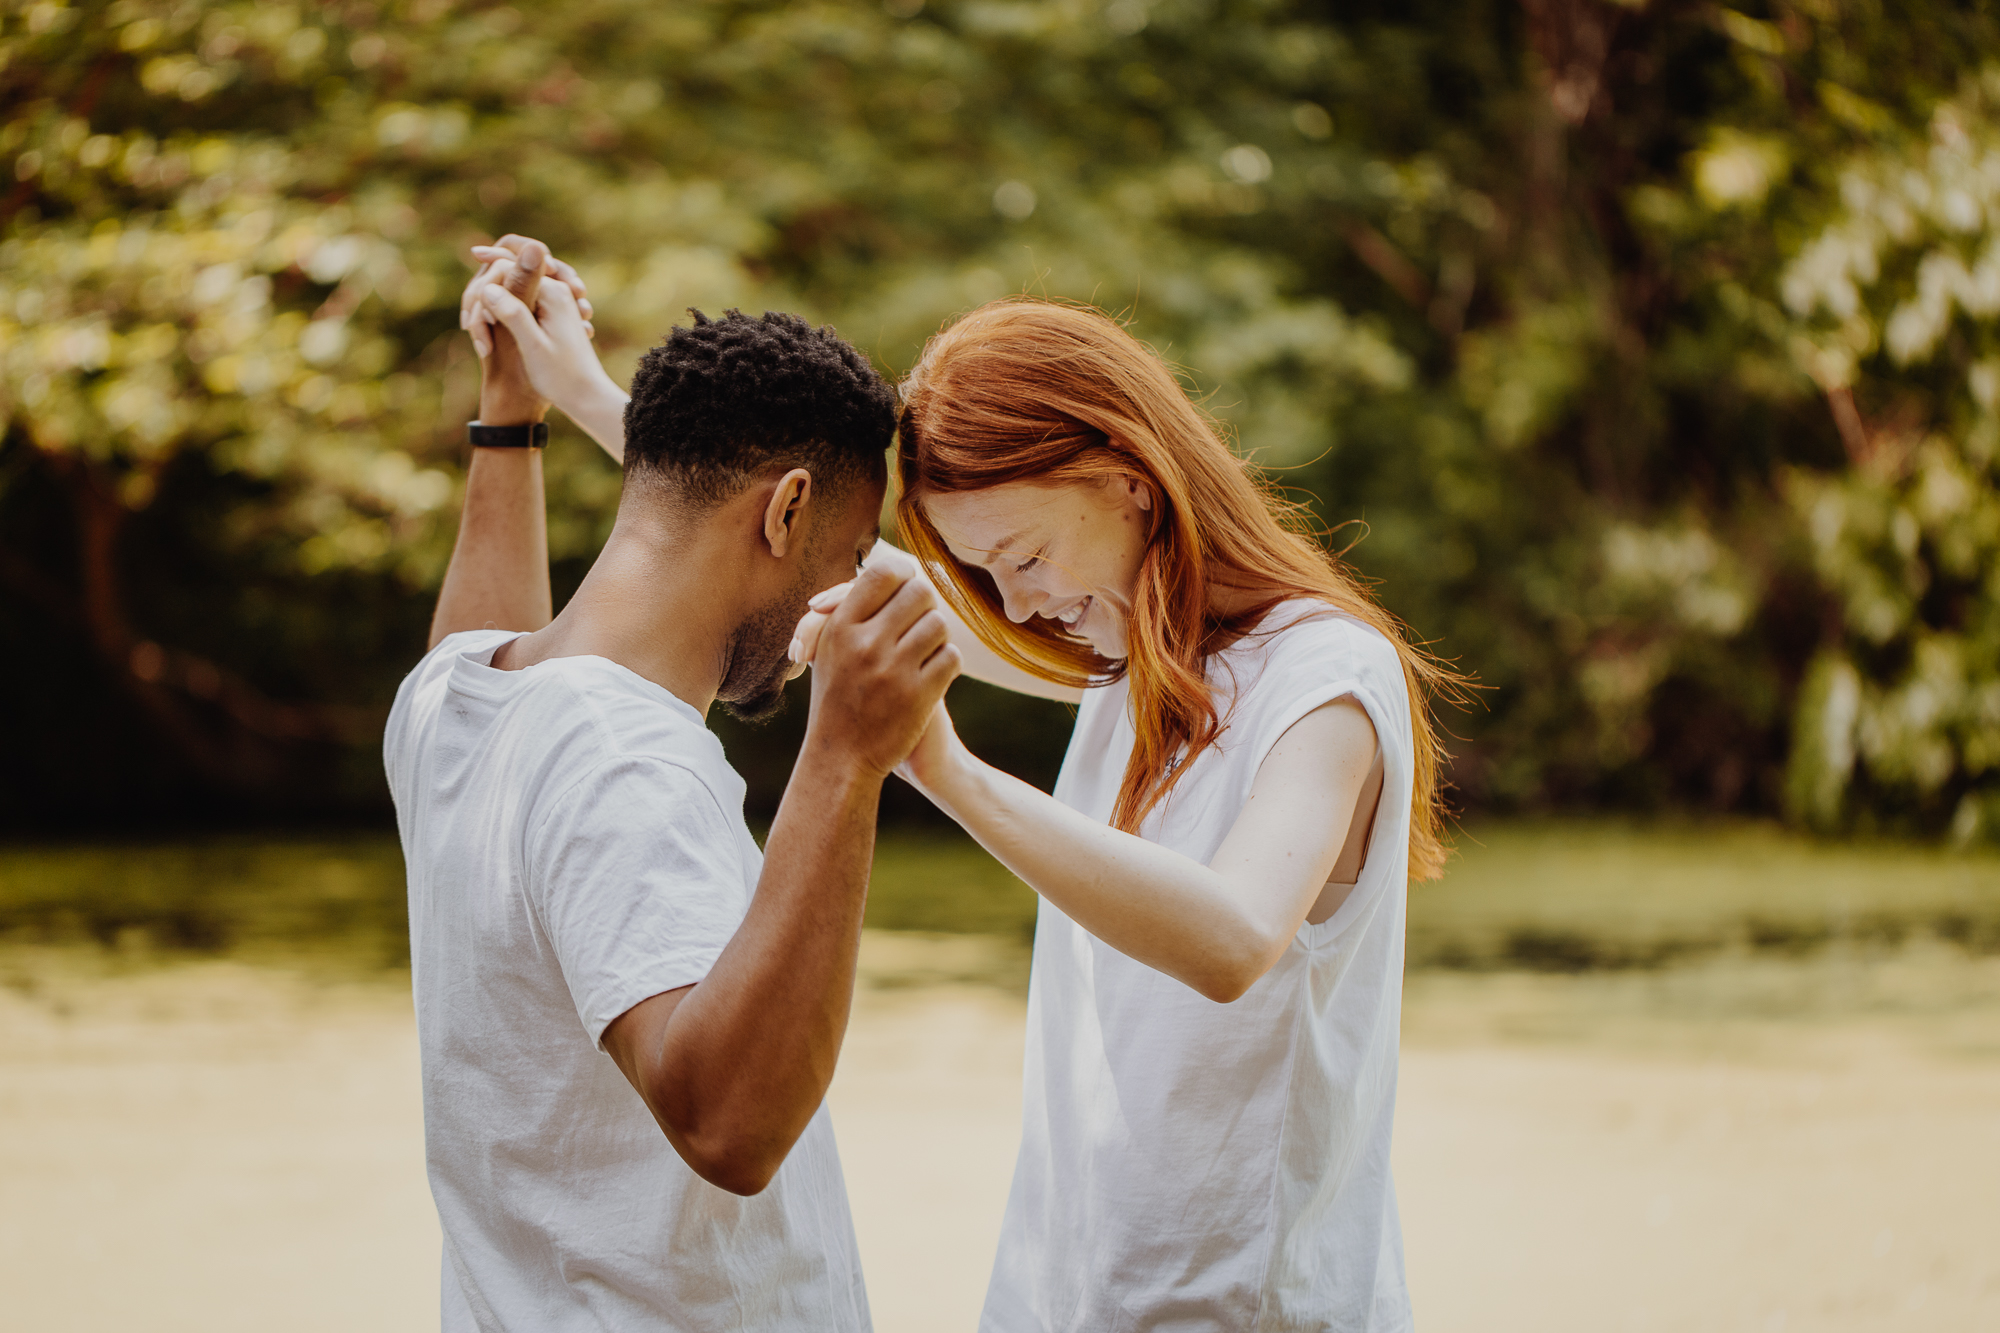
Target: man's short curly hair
[719, 404]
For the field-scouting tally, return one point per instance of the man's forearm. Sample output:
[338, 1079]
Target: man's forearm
[749, 1053]
[499, 570]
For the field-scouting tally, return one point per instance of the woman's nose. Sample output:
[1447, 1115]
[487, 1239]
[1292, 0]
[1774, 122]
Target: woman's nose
[1020, 603]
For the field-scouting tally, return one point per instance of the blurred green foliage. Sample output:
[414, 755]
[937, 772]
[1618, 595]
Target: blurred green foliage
[1652, 341]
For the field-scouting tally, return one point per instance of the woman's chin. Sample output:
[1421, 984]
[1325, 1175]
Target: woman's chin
[1106, 640]
[1111, 648]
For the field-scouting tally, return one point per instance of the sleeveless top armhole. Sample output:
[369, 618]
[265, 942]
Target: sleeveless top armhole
[1319, 657]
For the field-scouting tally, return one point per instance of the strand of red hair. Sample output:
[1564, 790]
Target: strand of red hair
[1026, 390]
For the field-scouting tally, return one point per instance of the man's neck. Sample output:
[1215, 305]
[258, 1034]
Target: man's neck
[659, 601]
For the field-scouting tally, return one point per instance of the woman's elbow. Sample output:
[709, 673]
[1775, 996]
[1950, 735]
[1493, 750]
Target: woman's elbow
[1228, 977]
[1221, 989]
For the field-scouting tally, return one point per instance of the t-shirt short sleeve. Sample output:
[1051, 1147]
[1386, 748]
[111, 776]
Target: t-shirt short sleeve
[638, 877]
[417, 700]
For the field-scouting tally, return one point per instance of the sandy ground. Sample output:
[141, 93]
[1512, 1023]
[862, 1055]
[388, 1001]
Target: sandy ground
[219, 1146]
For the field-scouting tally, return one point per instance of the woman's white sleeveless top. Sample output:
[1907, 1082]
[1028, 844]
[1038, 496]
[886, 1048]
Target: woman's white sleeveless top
[1188, 1165]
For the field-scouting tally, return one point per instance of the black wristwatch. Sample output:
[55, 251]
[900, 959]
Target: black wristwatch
[529, 435]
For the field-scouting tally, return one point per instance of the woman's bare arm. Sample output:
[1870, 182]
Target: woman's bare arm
[1216, 927]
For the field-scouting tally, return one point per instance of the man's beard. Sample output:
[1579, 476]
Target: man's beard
[760, 657]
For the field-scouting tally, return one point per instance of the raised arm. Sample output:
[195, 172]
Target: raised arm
[734, 1067]
[1218, 927]
[499, 570]
[554, 336]
[563, 367]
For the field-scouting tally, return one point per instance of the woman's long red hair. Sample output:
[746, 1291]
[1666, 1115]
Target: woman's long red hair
[1025, 390]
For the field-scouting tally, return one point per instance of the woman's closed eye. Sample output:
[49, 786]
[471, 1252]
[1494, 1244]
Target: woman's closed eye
[1030, 563]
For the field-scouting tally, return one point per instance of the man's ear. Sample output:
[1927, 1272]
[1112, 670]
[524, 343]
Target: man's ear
[784, 512]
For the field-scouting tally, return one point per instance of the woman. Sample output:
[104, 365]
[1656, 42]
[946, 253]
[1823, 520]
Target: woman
[1253, 776]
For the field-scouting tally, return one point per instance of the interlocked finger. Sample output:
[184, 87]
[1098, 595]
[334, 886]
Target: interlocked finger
[925, 637]
[910, 604]
[511, 245]
[805, 641]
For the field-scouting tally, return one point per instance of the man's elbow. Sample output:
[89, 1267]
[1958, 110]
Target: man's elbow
[731, 1162]
[742, 1174]
[727, 1145]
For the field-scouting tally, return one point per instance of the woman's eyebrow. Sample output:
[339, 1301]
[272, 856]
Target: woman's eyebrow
[1001, 547]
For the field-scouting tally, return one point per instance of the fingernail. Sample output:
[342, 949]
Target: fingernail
[797, 650]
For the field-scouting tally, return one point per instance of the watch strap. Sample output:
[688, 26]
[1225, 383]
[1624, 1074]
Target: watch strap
[528, 435]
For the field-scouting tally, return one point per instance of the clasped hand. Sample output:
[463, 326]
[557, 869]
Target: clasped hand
[551, 331]
[938, 748]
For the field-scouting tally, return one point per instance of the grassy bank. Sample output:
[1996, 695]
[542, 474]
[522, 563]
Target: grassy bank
[236, 895]
[1571, 897]
[1549, 897]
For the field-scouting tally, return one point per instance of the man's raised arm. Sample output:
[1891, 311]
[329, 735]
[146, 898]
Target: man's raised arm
[499, 571]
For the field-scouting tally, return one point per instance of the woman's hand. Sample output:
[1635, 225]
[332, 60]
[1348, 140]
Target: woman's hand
[512, 251]
[980, 662]
[805, 642]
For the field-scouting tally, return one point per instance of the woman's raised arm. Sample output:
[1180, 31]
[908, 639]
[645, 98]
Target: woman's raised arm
[1216, 928]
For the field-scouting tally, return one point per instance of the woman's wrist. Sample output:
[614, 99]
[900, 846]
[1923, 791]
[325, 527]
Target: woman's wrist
[954, 782]
[599, 409]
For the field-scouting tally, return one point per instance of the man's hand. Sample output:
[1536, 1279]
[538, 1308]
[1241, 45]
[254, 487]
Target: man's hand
[550, 333]
[506, 395]
[939, 746]
[505, 254]
[883, 661]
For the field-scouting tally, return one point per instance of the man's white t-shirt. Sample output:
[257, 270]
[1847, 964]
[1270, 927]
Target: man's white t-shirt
[575, 844]
[1190, 1165]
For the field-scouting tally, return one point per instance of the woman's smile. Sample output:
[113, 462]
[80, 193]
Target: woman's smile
[1054, 551]
[1073, 614]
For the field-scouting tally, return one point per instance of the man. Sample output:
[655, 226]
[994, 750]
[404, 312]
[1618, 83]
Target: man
[628, 1017]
